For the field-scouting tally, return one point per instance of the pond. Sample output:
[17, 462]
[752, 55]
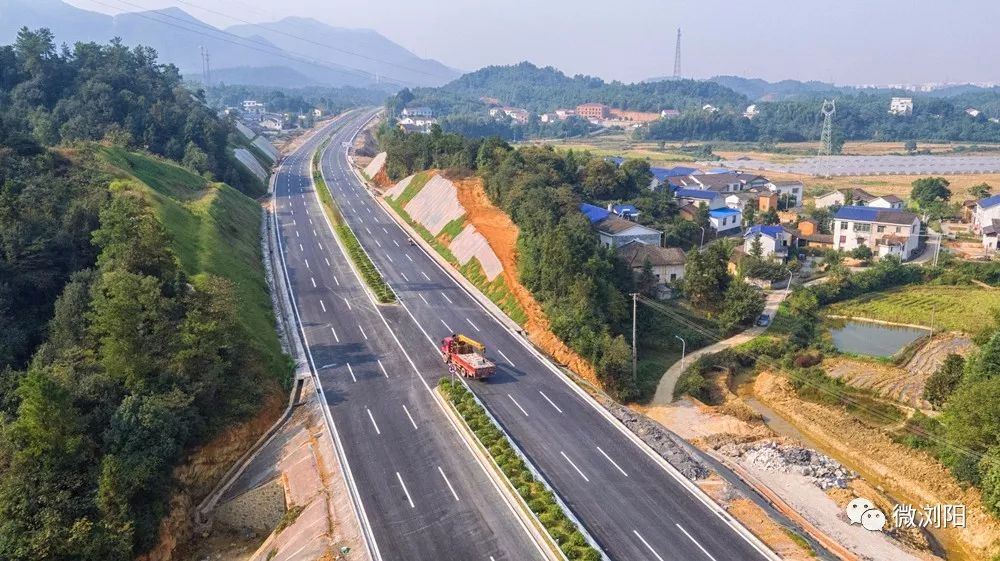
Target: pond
[873, 339]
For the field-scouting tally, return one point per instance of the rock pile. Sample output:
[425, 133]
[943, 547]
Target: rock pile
[823, 471]
[665, 443]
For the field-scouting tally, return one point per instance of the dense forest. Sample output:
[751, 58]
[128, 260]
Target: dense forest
[582, 285]
[113, 360]
[861, 114]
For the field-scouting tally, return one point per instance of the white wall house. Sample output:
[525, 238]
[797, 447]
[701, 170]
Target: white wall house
[986, 221]
[885, 231]
[725, 220]
[901, 106]
[775, 241]
[792, 189]
[886, 201]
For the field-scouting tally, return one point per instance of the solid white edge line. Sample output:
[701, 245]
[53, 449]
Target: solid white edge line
[570, 462]
[370, 542]
[614, 463]
[645, 543]
[751, 539]
[690, 537]
[487, 471]
[450, 488]
[410, 500]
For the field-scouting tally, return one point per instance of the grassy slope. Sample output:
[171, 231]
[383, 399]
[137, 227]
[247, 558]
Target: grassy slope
[215, 229]
[497, 291]
[952, 308]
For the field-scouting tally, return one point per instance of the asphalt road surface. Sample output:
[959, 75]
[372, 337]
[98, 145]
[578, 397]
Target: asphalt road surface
[423, 493]
[629, 503]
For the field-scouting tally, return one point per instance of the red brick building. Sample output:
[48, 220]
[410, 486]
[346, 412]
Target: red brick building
[593, 111]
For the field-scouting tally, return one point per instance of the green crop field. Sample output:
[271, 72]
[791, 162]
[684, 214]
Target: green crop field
[214, 229]
[951, 308]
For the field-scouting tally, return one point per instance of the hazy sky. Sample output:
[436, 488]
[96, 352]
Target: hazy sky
[846, 41]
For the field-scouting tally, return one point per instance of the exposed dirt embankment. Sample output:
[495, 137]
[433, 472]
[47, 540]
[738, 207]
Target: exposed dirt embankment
[201, 470]
[501, 233]
[910, 475]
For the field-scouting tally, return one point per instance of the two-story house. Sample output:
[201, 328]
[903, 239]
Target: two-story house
[885, 231]
[790, 190]
[775, 241]
[986, 221]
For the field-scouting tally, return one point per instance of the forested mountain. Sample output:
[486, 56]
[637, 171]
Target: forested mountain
[547, 89]
[136, 322]
[321, 52]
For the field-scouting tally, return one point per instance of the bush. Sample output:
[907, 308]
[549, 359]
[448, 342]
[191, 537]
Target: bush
[807, 359]
[539, 499]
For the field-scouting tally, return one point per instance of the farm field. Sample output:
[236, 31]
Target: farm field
[967, 309]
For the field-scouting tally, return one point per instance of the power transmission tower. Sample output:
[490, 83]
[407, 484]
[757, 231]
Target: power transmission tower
[677, 55]
[206, 67]
[826, 137]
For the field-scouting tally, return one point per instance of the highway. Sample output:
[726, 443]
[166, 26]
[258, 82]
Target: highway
[423, 494]
[626, 499]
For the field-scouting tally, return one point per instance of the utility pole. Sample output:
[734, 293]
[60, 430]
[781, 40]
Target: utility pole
[635, 372]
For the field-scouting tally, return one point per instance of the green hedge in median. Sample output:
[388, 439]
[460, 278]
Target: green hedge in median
[369, 273]
[540, 500]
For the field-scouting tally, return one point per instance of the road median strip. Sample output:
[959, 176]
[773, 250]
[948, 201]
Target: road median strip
[369, 273]
[536, 496]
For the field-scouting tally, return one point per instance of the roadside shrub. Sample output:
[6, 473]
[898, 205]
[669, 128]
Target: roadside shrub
[806, 359]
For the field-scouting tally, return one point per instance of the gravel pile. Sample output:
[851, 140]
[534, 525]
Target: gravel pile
[659, 439]
[823, 471]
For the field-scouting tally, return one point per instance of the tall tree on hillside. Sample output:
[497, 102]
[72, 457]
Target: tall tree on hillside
[944, 380]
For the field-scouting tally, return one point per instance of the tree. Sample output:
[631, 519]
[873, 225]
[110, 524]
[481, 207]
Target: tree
[985, 364]
[862, 253]
[944, 380]
[706, 277]
[770, 217]
[930, 190]
[757, 248]
[910, 146]
[744, 302]
[989, 480]
[980, 191]
[646, 281]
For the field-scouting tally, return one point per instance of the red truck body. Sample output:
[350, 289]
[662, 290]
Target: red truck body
[467, 357]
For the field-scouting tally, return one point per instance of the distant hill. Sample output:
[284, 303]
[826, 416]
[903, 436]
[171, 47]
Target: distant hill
[273, 76]
[546, 89]
[356, 48]
[177, 37]
[762, 90]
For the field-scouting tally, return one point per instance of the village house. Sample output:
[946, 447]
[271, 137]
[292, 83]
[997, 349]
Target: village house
[886, 201]
[901, 106]
[661, 176]
[885, 231]
[810, 236]
[728, 182]
[516, 114]
[417, 112]
[615, 231]
[775, 241]
[722, 218]
[986, 221]
[791, 190]
[667, 262]
[841, 197]
[593, 111]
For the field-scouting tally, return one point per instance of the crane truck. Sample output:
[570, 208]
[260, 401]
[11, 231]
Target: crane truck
[467, 357]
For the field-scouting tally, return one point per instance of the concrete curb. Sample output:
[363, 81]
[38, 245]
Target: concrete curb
[505, 321]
